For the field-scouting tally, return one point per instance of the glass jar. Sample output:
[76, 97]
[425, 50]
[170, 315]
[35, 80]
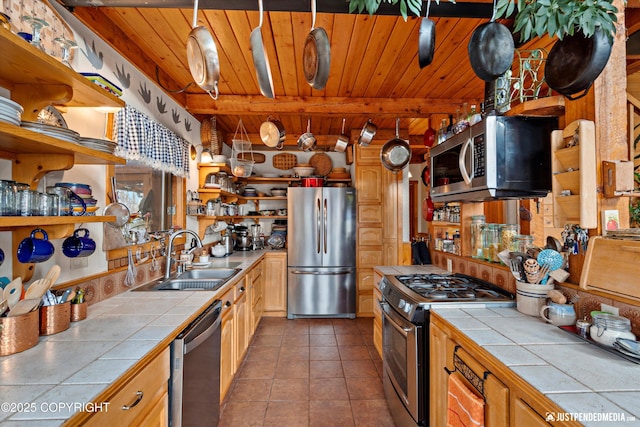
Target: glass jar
[477, 238]
[7, 198]
[223, 180]
[491, 242]
[522, 243]
[607, 327]
[508, 232]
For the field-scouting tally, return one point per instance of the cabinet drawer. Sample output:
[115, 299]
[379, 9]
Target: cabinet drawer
[369, 258]
[369, 214]
[369, 236]
[365, 280]
[143, 388]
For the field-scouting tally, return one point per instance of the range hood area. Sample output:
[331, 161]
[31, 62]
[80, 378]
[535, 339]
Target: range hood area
[498, 158]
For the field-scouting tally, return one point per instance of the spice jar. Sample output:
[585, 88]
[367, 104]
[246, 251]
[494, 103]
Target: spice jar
[508, 232]
[477, 239]
[607, 327]
[522, 243]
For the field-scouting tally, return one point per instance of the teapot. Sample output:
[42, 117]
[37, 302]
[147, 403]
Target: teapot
[218, 250]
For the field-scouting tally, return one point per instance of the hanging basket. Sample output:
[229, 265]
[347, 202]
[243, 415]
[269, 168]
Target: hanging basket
[241, 153]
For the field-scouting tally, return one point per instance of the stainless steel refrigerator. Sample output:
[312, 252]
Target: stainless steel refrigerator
[321, 252]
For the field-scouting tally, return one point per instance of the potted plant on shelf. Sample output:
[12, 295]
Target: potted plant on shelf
[533, 18]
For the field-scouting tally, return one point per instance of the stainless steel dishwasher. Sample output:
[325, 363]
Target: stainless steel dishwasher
[195, 371]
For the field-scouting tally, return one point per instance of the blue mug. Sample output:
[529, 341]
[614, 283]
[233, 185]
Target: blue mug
[1, 256]
[78, 246]
[32, 249]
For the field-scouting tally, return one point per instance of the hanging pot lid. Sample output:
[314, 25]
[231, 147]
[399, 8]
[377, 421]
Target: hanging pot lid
[261, 60]
[316, 55]
[202, 56]
[272, 133]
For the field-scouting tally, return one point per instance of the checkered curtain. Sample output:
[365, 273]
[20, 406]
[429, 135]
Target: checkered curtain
[141, 138]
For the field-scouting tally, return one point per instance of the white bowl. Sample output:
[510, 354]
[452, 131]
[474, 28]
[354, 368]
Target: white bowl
[303, 171]
[219, 158]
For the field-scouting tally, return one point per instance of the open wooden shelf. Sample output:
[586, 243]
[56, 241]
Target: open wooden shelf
[31, 71]
[549, 106]
[16, 140]
[38, 221]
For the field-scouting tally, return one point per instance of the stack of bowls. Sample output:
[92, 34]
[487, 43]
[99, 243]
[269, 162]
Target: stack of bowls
[10, 112]
[84, 191]
[303, 169]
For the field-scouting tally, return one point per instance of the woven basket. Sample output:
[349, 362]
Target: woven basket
[18, 333]
[55, 318]
[284, 161]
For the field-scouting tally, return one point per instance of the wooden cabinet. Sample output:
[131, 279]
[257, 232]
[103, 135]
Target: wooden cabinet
[573, 163]
[242, 323]
[227, 342]
[255, 283]
[377, 313]
[509, 401]
[141, 401]
[275, 284]
[37, 80]
[379, 222]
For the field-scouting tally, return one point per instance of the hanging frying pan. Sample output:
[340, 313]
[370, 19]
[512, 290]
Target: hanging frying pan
[202, 57]
[575, 62]
[261, 60]
[316, 55]
[426, 40]
[395, 153]
[491, 49]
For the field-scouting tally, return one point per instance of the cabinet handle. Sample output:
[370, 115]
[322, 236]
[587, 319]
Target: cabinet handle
[227, 304]
[139, 396]
[242, 289]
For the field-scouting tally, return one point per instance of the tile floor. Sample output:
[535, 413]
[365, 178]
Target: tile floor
[309, 372]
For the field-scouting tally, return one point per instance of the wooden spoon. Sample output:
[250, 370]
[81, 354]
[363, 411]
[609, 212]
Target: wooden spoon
[53, 274]
[37, 289]
[13, 291]
[3, 306]
[23, 307]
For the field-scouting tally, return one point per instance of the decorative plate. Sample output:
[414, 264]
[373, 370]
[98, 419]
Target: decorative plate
[51, 116]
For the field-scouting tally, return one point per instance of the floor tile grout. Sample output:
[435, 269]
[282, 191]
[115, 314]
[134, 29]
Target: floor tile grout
[281, 383]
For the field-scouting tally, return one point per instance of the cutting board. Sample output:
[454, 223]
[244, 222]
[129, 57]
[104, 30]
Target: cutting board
[256, 157]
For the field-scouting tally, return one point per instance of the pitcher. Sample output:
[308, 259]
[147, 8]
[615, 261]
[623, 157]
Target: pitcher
[67, 199]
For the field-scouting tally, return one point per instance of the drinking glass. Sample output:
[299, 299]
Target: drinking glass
[66, 46]
[37, 24]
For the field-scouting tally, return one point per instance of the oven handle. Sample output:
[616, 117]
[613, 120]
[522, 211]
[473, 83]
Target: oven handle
[394, 318]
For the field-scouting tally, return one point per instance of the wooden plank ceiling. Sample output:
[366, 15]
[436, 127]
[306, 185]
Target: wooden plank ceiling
[374, 67]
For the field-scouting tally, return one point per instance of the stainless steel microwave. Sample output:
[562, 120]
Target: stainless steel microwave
[498, 158]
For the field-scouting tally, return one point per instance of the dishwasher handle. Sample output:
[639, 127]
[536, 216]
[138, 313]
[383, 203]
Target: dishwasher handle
[202, 328]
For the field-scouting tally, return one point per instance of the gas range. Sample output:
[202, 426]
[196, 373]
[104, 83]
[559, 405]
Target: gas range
[412, 294]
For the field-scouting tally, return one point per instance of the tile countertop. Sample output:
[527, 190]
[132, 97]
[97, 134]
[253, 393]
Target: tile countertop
[579, 377]
[48, 383]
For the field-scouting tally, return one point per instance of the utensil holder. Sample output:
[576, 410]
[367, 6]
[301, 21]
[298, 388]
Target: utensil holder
[55, 318]
[78, 312]
[18, 333]
[531, 298]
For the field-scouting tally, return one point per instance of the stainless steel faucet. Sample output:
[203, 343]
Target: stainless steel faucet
[175, 234]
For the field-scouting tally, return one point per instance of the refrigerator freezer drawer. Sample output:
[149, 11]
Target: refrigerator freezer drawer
[321, 292]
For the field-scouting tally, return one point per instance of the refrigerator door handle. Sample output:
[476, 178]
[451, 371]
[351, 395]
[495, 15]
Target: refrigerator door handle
[324, 242]
[317, 273]
[318, 225]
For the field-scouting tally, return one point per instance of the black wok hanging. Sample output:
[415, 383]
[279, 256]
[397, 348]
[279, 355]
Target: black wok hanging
[576, 61]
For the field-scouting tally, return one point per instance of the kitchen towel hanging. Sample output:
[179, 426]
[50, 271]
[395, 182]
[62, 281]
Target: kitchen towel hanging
[464, 407]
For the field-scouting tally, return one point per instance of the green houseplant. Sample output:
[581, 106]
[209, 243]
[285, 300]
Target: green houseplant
[533, 18]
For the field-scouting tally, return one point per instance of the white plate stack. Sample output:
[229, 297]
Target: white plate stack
[10, 111]
[53, 131]
[103, 145]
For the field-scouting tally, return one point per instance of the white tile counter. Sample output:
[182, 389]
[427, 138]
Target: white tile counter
[579, 377]
[46, 384]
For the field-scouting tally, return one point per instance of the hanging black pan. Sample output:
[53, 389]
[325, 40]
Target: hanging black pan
[575, 62]
[316, 55]
[261, 60]
[426, 40]
[491, 49]
[202, 57]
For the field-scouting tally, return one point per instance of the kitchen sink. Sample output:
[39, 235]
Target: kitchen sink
[206, 279]
[209, 273]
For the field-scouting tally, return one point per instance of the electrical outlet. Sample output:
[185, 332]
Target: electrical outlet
[609, 308]
[76, 263]
[450, 266]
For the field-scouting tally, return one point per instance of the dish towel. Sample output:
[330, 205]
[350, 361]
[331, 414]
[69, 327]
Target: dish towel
[464, 407]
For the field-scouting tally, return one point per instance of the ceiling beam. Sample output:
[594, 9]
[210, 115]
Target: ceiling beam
[325, 106]
[446, 9]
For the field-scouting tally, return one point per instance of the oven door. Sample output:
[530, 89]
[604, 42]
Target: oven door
[400, 357]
